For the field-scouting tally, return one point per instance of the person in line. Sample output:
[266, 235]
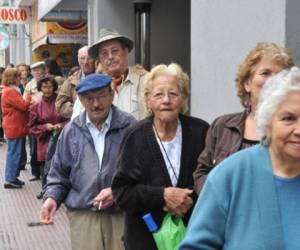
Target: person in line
[251, 200]
[158, 156]
[15, 118]
[67, 94]
[38, 72]
[83, 166]
[52, 68]
[9, 66]
[112, 51]
[44, 120]
[23, 73]
[2, 140]
[232, 132]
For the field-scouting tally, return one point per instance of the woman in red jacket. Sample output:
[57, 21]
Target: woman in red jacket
[15, 118]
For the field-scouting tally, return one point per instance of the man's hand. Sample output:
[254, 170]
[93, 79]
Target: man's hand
[105, 198]
[47, 211]
[178, 200]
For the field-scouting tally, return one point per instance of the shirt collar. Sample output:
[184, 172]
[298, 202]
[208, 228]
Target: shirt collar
[129, 76]
[106, 123]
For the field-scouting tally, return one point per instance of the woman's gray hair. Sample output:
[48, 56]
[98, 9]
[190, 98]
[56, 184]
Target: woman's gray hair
[172, 69]
[273, 93]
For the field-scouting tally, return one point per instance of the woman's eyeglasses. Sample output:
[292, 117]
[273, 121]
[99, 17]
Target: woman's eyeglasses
[161, 95]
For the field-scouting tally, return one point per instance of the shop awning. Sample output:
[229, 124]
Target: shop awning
[59, 39]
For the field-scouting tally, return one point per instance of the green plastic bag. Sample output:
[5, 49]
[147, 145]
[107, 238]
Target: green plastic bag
[170, 234]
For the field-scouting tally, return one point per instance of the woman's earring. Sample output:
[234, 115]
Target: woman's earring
[266, 141]
[247, 104]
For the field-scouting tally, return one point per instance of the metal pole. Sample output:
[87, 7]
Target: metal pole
[142, 32]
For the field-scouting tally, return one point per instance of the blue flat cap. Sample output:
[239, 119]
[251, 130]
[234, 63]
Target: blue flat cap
[92, 82]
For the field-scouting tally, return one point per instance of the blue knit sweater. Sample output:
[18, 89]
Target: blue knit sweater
[238, 207]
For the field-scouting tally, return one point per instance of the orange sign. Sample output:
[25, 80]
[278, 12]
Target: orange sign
[14, 15]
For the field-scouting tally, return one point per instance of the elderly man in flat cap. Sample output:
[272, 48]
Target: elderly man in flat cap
[112, 51]
[67, 95]
[83, 166]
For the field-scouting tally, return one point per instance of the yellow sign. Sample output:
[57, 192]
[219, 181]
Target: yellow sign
[63, 54]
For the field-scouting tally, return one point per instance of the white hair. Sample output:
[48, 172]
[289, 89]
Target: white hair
[172, 69]
[273, 93]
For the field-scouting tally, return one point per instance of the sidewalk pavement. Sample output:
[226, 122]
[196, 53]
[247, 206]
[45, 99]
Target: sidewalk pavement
[20, 206]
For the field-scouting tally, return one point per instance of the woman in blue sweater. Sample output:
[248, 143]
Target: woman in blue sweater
[251, 200]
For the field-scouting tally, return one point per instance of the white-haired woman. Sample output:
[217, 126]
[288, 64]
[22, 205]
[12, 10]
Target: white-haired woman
[158, 156]
[251, 200]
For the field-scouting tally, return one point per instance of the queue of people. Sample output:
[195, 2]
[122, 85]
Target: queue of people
[127, 147]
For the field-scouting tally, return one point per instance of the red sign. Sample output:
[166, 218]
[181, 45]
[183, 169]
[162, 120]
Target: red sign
[14, 15]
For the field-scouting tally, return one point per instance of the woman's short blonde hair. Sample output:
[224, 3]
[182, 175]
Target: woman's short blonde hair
[174, 70]
[262, 50]
[9, 76]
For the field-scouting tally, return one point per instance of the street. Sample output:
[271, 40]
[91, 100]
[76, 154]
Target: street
[19, 207]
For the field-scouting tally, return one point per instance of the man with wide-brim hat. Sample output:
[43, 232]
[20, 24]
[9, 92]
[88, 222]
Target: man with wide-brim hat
[83, 166]
[111, 50]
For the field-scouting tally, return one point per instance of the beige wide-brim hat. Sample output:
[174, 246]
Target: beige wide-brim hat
[106, 35]
[39, 64]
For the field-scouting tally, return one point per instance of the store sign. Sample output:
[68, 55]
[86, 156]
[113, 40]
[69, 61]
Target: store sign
[4, 38]
[14, 15]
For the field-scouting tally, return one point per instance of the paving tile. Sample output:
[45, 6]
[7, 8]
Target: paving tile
[20, 206]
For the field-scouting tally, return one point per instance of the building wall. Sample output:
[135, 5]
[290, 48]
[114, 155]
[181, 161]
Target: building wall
[222, 34]
[293, 29]
[20, 44]
[23, 48]
[170, 32]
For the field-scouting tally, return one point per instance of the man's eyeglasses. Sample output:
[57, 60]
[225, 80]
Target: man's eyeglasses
[104, 54]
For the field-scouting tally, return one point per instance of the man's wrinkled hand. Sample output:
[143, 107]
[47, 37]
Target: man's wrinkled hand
[104, 198]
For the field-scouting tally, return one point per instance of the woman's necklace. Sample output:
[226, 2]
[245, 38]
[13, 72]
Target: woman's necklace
[162, 146]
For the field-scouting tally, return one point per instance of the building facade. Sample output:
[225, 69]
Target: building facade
[209, 39]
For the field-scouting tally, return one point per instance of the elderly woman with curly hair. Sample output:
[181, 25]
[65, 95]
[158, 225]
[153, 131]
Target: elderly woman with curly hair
[232, 132]
[158, 156]
[251, 200]
[44, 120]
